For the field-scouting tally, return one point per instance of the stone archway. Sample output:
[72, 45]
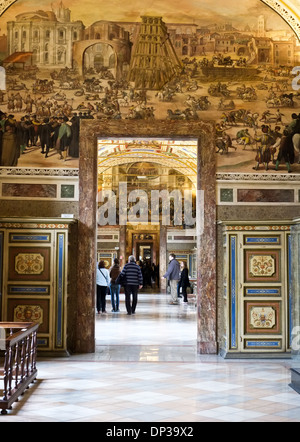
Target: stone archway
[115, 48]
[206, 188]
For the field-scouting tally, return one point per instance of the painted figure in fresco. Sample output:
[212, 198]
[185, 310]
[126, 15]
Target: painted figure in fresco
[64, 138]
[10, 148]
[294, 130]
[286, 151]
[74, 145]
[264, 153]
[45, 137]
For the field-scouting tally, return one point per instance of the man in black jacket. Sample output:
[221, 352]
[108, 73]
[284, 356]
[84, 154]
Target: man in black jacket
[134, 281]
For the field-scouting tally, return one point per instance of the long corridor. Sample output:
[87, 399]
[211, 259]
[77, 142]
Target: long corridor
[146, 370]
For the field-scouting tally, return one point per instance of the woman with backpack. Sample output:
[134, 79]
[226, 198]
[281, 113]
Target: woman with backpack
[115, 288]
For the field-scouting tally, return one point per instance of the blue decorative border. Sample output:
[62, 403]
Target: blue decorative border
[1, 270]
[233, 294]
[16, 290]
[30, 238]
[290, 290]
[257, 292]
[263, 344]
[257, 240]
[60, 289]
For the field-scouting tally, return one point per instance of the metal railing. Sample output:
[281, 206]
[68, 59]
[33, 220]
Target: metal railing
[18, 348]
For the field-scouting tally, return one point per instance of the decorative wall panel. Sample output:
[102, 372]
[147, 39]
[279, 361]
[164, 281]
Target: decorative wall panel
[29, 263]
[262, 266]
[34, 279]
[29, 190]
[257, 294]
[265, 196]
[263, 317]
[30, 310]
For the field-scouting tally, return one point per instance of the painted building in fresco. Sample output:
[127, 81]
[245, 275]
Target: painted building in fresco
[49, 35]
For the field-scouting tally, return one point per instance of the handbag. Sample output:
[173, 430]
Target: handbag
[121, 279]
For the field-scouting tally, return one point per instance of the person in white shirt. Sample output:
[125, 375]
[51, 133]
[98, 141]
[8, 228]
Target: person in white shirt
[103, 280]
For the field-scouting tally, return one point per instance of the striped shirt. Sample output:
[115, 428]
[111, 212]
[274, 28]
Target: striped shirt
[133, 274]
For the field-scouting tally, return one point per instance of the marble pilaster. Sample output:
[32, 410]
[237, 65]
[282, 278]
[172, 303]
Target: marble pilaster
[122, 252]
[206, 247]
[163, 257]
[87, 245]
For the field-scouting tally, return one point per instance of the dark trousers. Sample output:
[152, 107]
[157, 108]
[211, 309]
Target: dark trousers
[131, 290]
[101, 298]
[184, 293]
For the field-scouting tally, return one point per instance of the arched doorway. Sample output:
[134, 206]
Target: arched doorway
[159, 179]
[203, 132]
[99, 57]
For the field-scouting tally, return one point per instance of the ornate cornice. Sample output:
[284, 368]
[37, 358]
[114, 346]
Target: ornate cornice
[23, 171]
[259, 177]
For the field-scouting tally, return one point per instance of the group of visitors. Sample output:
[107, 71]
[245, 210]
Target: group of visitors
[178, 277]
[150, 272]
[111, 280]
[131, 277]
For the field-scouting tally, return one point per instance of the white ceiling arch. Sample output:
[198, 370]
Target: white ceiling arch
[173, 164]
[180, 155]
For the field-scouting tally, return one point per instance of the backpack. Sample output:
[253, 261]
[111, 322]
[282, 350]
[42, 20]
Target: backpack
[121, 279]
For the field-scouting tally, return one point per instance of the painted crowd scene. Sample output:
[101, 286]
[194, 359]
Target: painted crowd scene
[69, 61]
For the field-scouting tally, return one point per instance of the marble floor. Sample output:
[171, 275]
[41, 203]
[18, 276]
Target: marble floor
[146, 369]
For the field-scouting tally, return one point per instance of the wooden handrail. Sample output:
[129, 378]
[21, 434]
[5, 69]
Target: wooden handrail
[26, 328]
[19, 361]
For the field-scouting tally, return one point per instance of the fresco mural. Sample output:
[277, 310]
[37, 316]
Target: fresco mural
[175, 60]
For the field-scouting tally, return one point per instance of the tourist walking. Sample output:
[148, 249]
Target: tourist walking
[114, 287]
[173, 275]
[103, 281]
[133, 277]
[184, 281]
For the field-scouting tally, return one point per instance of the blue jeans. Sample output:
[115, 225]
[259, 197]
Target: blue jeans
[115, 296]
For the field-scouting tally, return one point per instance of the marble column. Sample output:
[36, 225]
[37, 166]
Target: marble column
[122, 246]
[206, 249]
[87, 245]
[163, 258]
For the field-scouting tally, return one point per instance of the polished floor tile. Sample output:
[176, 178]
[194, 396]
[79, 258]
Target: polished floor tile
[146, 369]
